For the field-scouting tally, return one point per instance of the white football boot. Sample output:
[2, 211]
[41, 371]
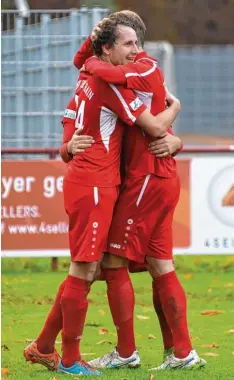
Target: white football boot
[192, 361]
[167, 352]
[113, 360]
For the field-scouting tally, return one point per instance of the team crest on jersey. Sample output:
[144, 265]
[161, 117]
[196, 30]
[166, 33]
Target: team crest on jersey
[136, 104]
[70, 114]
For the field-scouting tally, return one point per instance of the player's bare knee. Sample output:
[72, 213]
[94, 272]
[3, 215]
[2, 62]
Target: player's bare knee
[112, 261]
[84, 271]
[157, 267]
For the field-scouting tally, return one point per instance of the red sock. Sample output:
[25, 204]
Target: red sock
[74, 305]
[121, 301]
[165, 329]
[53, 325]
[173, 301]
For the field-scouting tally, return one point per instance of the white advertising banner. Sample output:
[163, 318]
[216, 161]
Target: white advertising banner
[211, 205]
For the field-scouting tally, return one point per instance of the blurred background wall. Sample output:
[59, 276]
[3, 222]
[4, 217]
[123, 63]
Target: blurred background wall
[38, 76]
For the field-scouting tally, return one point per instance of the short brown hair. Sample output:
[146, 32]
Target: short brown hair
[108, 33]
[135, 22]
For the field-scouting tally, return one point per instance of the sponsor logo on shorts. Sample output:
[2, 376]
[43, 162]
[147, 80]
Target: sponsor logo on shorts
[130, 221]
[70, 114]
[136, 104]
[117, 246]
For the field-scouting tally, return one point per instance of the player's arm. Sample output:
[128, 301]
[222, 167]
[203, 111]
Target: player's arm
[68, 122]
[84, 52]
[158, 125]
[106, 71]
[167, 145]
[72, 143]
[120, 74]
[131, 110]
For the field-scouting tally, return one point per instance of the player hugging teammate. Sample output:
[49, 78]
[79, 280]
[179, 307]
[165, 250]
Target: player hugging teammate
[120, 91]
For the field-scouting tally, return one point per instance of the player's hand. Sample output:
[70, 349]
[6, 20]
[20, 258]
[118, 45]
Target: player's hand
[98, 28]
[165, 146]
[172, 100]
[82, 69]
[79, 143]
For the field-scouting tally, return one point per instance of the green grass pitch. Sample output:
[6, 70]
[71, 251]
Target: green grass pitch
[28, 289]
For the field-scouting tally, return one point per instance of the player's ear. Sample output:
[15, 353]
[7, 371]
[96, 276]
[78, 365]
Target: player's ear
[106, 49]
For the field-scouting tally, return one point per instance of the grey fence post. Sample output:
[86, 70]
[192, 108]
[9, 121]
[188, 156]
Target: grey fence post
[74, 32]
[45, 19]
[19, 69]
[84, 21]
[96, 15]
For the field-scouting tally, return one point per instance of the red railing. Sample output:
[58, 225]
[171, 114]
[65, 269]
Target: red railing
[53, 152]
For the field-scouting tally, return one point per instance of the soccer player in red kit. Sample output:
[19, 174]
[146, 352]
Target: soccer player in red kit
[91, 185]
[141, 228]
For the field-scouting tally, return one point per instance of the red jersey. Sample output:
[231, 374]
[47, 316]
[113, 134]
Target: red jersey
[100, 107]
[146, 78]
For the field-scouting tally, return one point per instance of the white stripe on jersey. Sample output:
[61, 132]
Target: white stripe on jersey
[143, 189]
[127, 109]
[107, 125]
[76, 100]
[148, 72]
[95, 194]
[145, 97]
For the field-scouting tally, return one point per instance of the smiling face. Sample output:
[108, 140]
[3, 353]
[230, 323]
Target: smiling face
[125, 47]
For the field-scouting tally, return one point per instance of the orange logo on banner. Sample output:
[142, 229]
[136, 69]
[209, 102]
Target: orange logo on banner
[228, 200]
[181, 225]
[33, 216]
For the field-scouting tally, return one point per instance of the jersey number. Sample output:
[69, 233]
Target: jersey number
[80, 115]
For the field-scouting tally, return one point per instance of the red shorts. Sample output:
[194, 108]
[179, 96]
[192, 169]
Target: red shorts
[143, 216]
[90, 210]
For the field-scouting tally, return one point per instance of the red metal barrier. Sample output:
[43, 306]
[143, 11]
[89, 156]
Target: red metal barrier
[52, 152]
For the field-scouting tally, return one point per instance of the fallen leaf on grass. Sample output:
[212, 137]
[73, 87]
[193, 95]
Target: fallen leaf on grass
[102, 312]
[210, 354]
[142, 317]
[88, 353]
[188, 276]
[231, 331]
[104, 342]
[210, 290]
[147, 309]
[4, 371]
[29, 340]
[53, 378]
[151, 377]
[195, 338]
[229, 285]
[58, 342]
[213, 345]
[4, 347]
[211, 312]
[151, 336]
[232, 352]
[103, 331]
